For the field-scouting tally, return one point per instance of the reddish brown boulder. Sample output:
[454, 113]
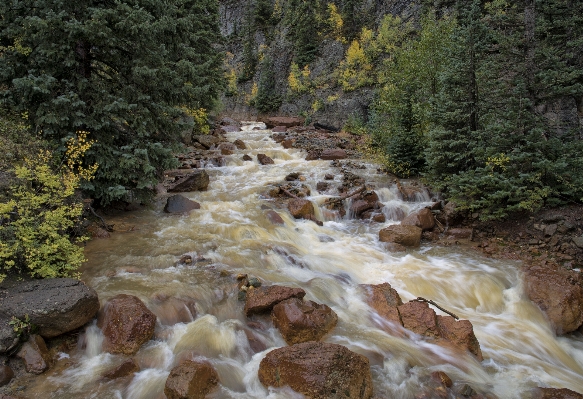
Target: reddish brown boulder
[559, 294]
[227, 148]
[123, 370]
[246, 158]
[264, 159]
[263, 299]
[191, 380]
[318, 370]
[35, 355]
[240, 144]
[409, 236]
[423, 219]
[385, 300]
[460, 333]
[286, 121]
[312, 155]
[6, 375]
[442, 378]
[274, 217]
[126, 324]
[419, 318]
[287, 144]
[460, 233]
[300, 208]
[279, 129]
[332, 154]
[302, 321]
[394, 247]
[196, 180]
[206, 140]
[554, 393]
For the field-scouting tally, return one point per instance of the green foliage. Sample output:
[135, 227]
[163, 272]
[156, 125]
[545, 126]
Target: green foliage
[299, 81]
[267, 99]
[305, 20]
[119, 70]
[22, 328]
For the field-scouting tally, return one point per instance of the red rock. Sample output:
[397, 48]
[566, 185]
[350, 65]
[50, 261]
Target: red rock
[332, 154]
[442, 378]
[246, 158]
[300, 208]
[123, 370]
[379, 218]
[554, 393]
[385, 300]
[126, 324]
[312, 155]
[274, 217]
[240, 144]
[559, 294]
[287, 121]
[35, 355]
[460, 233]
[409, 236]
[263, 299]
[191, 380]
[287, 144]
[419, 318]
[422, 218]
[302, 321]
[6, 375]
[394, 247]
[322, 186]
[264, 159]
[227, 148]
[279, 129]
[318, 370]
[206, 140]
[460, 333]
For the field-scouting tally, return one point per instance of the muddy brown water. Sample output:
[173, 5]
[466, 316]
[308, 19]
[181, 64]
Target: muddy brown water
[232, 232]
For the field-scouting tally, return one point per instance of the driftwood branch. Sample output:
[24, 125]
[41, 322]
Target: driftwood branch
[349, 195]
[429, 301]
[105, 226]
[289, 194]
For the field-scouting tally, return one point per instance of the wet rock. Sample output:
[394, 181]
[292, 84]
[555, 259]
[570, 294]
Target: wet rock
[358, 207]
[240, 144]
[195, 180]
[8, 337]
[227, 148]
[318, 370]
[55, 306]
[98, 232]
[450, 215]
[126, 324]
[379, 218]
[312, 155]
[206, 140]
[279, 129]
[6, 375]
[264, 159]
[246, 158]
[285, 121]
[35, 355]
[460, 333]
[302, 321]
[460, 233]
[385, 300]
[263, 299]
[422, 218]
[409, 236]
[554, 393]
[300, 208]
[559, 294]
[442, 378]
[230, 129]
[394, 247]
[329, 176]
[578, 241]
[174, 310]
[274, 217]
[292, 176]
[419, 318]
[322, 186]
[288, 143]
[180, 204]
[123, 370]
[332, 154]
[191, 380]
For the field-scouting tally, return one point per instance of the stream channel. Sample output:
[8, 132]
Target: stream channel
[204, 319]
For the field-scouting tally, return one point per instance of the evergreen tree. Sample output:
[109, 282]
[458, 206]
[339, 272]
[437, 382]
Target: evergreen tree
[267, 99]
[305, 32]
[118, 70]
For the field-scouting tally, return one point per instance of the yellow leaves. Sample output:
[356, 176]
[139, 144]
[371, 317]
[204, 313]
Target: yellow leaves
[499, 161]
[299, 80]
[356, 69]
[76, 148]
[200, 119]
[335, 22]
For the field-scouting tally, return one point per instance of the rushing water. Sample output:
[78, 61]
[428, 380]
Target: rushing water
[231, 231]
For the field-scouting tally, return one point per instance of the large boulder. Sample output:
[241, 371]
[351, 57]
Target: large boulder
[126, 324]
[191, 380]
[240, 144]
[287, 121]
[8, 337]
[332, 154]
[55, 306]
[559, 294]
[409, 236]
[195, 180]
[263, 299]
[385, 300]
[423, 219]
[302, 321]
[227, 148]
[555, 393]
[419, 318]
[206, 140]
[300, 208]
[35, 355]
[318, 370]
[180, 204]
[460, 333]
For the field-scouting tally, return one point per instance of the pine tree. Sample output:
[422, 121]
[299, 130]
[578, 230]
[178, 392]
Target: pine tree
[118, 70]
[305, 33]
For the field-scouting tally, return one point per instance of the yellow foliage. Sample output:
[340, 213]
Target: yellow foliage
[317, 105]
[200, 118]
[335, 22]
[299, 81]
[356, 69]
[499, 161]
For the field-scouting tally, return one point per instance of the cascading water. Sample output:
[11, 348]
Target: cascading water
[231, 231]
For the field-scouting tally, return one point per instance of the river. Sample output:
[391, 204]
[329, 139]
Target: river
[231, 234]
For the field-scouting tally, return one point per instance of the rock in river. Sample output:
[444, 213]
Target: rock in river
[191, 380]
[263, 299]
[302, 321]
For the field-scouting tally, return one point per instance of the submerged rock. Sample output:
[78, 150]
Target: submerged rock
[300, 208]
[191, 380]
[123, 370]
[318, 370]
[302, 321]
[264, 159]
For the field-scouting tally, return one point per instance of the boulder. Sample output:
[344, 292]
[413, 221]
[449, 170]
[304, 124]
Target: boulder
[300, 208]
[172, 310]
[126, 324]
[288, 143]
[246, 158]
[379, 218]
[329, 176]
[318, 370]
[226, 121]
[191, 380]
[240, 144]
[302, 321]
[332, 154]
[312, 155]
[559, 294]
[554, 393]
[286, 121]
[263, 299]
[460, 333]
[55, 306]
[128, 367]
[180, 204]
[227, 148]
[6, 375]
[419, 318]
[385, 300]
[274, 217]
[264, 159]
[230, 129]
[394, 247]
[35, 355]
[409, 236]
[206, 140]
[322, 186]
[8, 337]
[279, 129]
[422, 218]
[442, 378]
[195, 180]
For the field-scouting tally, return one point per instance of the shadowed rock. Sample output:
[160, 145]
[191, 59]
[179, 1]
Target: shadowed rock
[300, 208]
[554, 393]
[196, 180]
[264, 159]
[423, 219]
[128, 367]
[6, 375]
[180, 204]
[35, 355]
